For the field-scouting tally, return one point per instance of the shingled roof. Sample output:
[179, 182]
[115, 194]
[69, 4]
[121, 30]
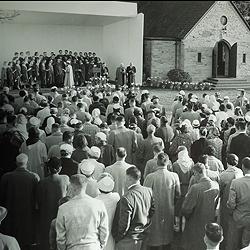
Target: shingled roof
[171, 19]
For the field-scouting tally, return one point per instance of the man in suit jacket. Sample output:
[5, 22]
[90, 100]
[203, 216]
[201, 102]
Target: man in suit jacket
[199, 208]
[240, 144]
[199, 147]
[123, 137]
[239, 203]
[17, 194]
[118, 171]
[133, 213]
[49, 191]
[129, 112]
[7, 242]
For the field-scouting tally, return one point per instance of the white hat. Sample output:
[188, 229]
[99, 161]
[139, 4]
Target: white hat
[212, 118]
[87, 167]
[54, 87]
[204, 105]
[196, 123]
[226, 97]
[193, 99]
[101, 136]
[95, 152]
[215, 108]
[67, 147]
[116, 106]
[106, 184]
[34, 121]
[247, 118]
[74, 121]
[145, 92]
[182, 92]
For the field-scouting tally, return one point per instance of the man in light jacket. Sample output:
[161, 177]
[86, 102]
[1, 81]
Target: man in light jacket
[82, 222]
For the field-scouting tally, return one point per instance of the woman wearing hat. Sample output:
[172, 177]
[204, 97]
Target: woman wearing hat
[106, 185]
[7, 242]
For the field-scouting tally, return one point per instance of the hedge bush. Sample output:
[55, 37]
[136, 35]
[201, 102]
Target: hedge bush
[178, 75]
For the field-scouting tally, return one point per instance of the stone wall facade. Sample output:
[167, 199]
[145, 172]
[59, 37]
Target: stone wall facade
[159, 57]
[201, 39]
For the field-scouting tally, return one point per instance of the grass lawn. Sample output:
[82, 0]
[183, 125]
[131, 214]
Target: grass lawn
[167, 95]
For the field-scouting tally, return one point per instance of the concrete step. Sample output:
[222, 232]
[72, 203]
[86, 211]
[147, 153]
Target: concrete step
[227, 80]
[232, 86]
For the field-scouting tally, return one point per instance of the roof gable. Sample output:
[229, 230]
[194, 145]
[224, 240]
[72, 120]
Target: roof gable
[174, 19]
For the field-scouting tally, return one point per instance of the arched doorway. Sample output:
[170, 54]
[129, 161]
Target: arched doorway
[224, 59]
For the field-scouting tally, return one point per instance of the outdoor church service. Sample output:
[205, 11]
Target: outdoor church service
[125, 125]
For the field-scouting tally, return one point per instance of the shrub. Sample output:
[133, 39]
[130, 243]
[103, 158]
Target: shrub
[178, 75]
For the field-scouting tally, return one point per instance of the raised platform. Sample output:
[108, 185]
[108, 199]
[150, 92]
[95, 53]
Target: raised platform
[229, 83]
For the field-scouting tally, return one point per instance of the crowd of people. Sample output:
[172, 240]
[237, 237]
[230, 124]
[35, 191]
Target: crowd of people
[87, 169]
[66, 69]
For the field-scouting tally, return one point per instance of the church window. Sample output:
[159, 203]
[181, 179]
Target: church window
[223, 20]
[244, 58]
[199, 57]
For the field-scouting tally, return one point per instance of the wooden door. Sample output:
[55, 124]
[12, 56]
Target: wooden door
[233, 61]
[215, 60]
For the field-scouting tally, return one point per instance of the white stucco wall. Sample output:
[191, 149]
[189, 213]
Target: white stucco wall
[16, 37]
[207, 32]
[123, 43]
[105, 8]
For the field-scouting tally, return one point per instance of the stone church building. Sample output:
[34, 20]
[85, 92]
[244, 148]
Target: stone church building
[208, 39]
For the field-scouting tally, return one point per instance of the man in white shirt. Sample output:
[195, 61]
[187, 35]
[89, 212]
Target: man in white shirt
[82, 222]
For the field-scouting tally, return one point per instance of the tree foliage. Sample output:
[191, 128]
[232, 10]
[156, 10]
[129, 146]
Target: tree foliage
[244, 8]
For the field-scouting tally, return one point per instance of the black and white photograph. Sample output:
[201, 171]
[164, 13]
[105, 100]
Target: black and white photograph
[124, 125]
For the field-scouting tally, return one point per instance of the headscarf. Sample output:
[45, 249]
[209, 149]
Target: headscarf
[207, 100]
[184, 161]
[188, 124]
[213, 103]
[96, 117]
